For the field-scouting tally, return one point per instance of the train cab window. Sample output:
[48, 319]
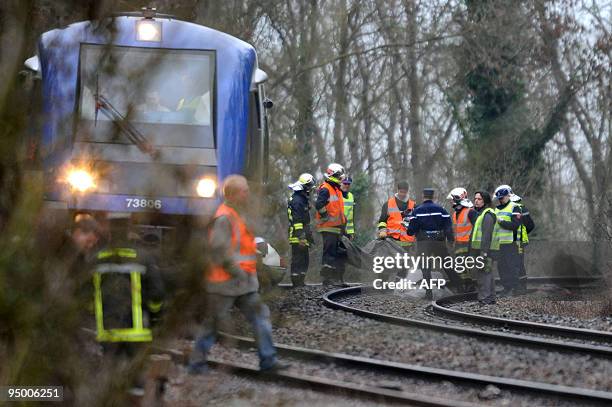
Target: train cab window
[166, 93]
[255, 146]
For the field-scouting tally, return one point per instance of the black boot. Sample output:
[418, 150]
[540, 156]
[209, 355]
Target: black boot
[297, 280]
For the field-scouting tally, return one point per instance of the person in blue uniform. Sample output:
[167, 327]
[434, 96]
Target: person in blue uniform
[432, 226]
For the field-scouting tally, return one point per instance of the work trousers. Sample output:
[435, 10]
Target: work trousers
[218, 313]
[299, 264]
[332, 263]
[408, 248]
[438, 249]
[464, 274]
[508, 265]
[485, 281]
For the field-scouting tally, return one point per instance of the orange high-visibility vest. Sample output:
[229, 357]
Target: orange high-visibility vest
[243, 247]
[462, 227]
[395, 229]
[335, 211]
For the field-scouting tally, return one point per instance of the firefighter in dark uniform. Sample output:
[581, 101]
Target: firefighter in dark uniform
[128, 290]
[300, 235]
[431, 224]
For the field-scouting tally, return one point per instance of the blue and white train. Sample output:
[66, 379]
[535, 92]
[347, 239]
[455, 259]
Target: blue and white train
[146, 113]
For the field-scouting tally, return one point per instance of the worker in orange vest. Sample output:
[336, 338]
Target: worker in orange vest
[392, 214]
[463, 217]
[331, 222]
[232, 279]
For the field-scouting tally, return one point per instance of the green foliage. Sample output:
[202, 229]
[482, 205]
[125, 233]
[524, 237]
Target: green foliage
[502, 143]
[491, 100]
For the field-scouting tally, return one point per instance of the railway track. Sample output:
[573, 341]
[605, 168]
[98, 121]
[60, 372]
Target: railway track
[440, 307]
[333, 299]
[474, 381]
[384, 380]
[340, 387]
[318, 383]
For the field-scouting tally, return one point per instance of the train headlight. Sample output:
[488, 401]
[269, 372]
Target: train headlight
[148, 30]
[206, 187]
[80, 180]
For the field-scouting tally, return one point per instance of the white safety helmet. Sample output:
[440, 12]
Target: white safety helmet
[460, 195]
[304, 183]
[502, 191]
[334, 171]
[457, 194]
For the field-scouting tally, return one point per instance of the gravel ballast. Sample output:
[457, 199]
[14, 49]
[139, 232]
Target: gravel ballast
[582, 311]
[408, 307]
[485, 395]
[301, 319]
[220, 388]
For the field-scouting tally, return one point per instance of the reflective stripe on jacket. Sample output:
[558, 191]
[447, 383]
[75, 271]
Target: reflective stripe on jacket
[476, 239]
[295, 228]
[523, 236]
[299, 218]
[334, 209]
[243, 247]
[500, 235]
[462, 227]
[129, 269]
[349, 206]
[395, 229]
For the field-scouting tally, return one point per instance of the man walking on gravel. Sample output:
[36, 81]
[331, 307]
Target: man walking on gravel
[232, 279]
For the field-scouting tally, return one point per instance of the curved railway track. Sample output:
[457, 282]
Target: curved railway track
[318, 370]
[440, 307]
[560, 342]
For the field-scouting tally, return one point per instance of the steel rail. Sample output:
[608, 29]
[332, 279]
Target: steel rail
[405, 369]
[331, 300]
[441, 307]
[349, 389]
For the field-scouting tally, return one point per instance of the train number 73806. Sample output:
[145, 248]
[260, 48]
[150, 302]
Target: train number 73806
[142, 203]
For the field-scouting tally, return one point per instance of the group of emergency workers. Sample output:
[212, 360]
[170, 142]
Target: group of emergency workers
[334, 208]
[497, 233]
[128, 293]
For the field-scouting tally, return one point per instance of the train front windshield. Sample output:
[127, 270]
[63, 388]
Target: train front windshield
[167, 94]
